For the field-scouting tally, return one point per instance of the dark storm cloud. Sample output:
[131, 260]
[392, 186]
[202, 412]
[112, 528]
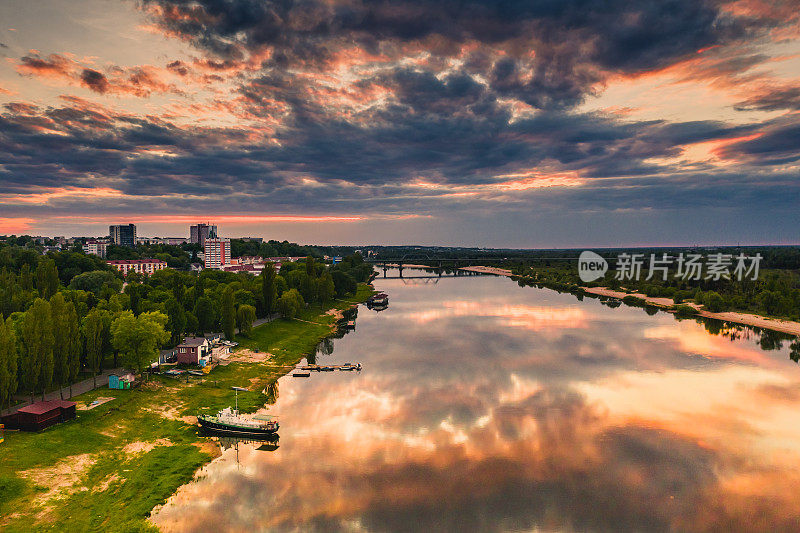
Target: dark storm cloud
[553, 52]
[463, 144]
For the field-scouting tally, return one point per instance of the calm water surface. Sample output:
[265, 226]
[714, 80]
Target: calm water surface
[484, 406]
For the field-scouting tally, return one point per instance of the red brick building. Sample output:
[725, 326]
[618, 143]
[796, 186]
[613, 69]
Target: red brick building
[194, 351]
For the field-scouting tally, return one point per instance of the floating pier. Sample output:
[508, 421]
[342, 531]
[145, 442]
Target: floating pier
[347, 367]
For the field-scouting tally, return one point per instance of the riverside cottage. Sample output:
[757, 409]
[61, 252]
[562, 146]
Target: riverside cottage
[194, 351]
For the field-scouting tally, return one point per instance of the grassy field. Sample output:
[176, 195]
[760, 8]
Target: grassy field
[109, 467]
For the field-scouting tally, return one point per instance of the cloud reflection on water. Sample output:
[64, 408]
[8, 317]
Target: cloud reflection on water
[601, 420]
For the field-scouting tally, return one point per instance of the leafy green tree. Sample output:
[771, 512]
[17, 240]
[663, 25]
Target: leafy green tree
[281, 285]
[66, 340]
[96, 281]
[325, 288]
[769, 301]
[205, 313]
[228, 313]
[14, 323]
[245, 316]
[192, 325]
[178, 288]
[290, 303]
[311, 268]
[136, 292]
[199, 287]
[139, 338]
[8, 361]
[37, 344]
[176, 324]
[26, 277]
[47, 278]
[269, 288]
[93, 333]
[343, 282]
[713, 301]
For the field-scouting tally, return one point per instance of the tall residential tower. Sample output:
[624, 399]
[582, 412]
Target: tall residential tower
[123, 234]
[218, 252]
[201, 232]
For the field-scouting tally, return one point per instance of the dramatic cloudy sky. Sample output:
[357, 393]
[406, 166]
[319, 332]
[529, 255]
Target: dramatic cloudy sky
[493, 123]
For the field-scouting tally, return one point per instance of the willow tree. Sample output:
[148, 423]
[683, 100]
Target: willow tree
[245, 316]
[37, 347]
[290, 303]
[139, 338]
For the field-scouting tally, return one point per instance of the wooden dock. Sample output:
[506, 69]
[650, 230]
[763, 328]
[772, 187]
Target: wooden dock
[347, 367]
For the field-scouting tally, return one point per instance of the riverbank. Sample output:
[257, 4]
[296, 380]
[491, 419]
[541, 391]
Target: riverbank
[487, 270]
[107, 469]
[747, 319]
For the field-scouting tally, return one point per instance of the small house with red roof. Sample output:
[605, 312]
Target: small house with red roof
[40, 415]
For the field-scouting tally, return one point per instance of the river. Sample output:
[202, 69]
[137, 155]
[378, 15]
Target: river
[484, 406]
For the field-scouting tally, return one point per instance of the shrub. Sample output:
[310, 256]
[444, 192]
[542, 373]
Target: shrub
[685, 311]
[713, 301]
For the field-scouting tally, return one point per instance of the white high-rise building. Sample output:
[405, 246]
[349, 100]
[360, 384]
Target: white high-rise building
[218, 252]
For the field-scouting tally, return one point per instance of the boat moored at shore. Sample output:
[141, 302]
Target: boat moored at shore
[230, 422]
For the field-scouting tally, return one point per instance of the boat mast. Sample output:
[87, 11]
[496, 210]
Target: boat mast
[237, 389]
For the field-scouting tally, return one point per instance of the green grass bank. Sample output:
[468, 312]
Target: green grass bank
[108, 468]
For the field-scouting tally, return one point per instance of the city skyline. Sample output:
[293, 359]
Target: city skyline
[495, 124]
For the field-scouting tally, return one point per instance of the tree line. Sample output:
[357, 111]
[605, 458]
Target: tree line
[775, 293]
[55, 326]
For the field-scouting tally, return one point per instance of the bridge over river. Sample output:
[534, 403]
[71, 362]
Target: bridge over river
[445, 266]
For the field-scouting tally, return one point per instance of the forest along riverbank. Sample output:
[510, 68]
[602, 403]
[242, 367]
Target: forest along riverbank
[113, 464]
[746, 319]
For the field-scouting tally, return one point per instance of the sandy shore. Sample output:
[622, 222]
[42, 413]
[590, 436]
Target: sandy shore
[747, 319]
[784, 326]
[487, 270]
[658, 302]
